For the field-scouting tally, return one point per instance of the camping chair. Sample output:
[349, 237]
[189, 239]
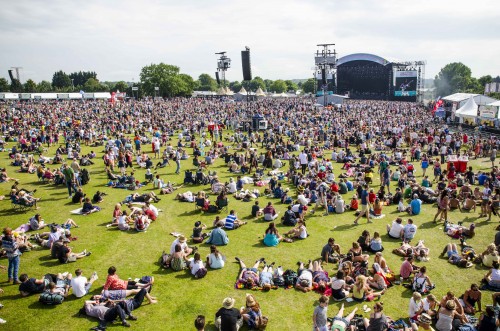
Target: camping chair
[20, 205]
[188, 177]
[221, 204]
[199, 203]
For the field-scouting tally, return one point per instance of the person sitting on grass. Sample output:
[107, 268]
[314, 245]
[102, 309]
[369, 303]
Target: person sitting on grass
[376, 243]
[196, 266]
[357, 253]
[492, 277]
[252, 314]
[88, 208]
[37, 223]
[408, 268]
[470, 298]
[361, 291]
[256, 210]
[79, 196]
[113, 282]
[269, 212]
[395, 230]
[197, 235]
[215, 260]
[232, 221]
[218, 236]
[65, 254]
[490, 255]
[305, 277]
[330, 252]
[272, 237]
[377, 281]
[298, 232]
[79, 284]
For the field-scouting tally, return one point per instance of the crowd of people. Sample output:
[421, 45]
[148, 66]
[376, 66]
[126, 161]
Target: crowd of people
[384, 150]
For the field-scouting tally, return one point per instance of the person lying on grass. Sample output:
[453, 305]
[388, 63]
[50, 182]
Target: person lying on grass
[30, 286]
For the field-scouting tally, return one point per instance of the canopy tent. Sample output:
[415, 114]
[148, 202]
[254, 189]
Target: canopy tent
[495, 104]
[221, 91]
[461, 98]
[260, 93]
[242, 91]
[228, 91]
[469, 109]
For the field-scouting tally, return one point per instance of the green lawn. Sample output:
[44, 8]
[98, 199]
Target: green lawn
[182, 298]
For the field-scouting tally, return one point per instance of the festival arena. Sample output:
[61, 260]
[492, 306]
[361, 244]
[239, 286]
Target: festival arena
[369, 215]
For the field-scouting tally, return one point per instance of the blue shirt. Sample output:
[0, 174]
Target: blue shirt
[481, 179]
[230, 222]
[415, 206]
[364, 197]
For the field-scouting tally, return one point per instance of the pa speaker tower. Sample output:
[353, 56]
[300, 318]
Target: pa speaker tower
[245, 62]
[217, 77]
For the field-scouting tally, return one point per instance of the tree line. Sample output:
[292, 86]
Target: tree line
[167, 80]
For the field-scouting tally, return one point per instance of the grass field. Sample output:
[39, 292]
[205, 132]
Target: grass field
[181, 297]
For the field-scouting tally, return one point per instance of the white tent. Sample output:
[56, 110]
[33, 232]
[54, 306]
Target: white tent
[228, 91]
[221, 91]
[461, 98]
[9, 96]
[468, 110]
[495, 104]
[260, 93]
[243, 91]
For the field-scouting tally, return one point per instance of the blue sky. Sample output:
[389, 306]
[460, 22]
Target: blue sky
[117, 38]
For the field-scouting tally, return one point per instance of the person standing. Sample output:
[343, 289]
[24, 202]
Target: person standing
[9, 244]
[177, 159]
[320, 314]
[70, 179]
[303, 161]
[365, 205]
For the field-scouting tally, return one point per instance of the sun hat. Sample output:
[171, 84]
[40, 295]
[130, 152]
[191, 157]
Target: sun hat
[182, 238]
[425, 318]
[228, 303]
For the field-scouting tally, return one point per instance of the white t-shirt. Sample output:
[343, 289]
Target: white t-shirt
[303, 158]
[303, 232]
[396, 229]
[339, 206]
[176, 241]
[78, 286]
[195, 266]
[414, 307]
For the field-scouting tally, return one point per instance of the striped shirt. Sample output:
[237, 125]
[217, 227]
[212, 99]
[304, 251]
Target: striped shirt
[9, 244]
[230, 222]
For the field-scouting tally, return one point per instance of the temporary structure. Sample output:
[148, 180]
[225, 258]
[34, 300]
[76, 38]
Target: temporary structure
[468, 110]
[260, 93]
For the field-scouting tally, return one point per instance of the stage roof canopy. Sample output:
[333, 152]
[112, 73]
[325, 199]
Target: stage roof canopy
[365, 57]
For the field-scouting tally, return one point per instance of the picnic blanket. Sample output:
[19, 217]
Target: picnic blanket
[77, 211]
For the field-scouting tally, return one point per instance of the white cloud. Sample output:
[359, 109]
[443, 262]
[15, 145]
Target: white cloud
[117, 38]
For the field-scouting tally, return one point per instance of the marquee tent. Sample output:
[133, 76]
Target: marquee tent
[468, 110]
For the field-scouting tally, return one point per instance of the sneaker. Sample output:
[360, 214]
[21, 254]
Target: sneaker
[16, 282]
[2, 321]
[88, 254]
[125, 324]
[132, 317]
[237, 258]
[84, 252]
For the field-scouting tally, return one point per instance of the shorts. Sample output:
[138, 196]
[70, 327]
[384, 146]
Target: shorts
[341, 319]
[452, 252]
[364, 208]
[484, 202]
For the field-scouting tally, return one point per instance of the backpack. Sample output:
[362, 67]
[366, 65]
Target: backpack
[279, 281]
[200, 273]
[85, 176]
[51, 298]
[290, 277]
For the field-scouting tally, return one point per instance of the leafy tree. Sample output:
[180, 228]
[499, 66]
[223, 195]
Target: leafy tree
[235, 86]
[495, 95]
[485, 80]
[256, 83]
[16, 86]
[4, 85]
[247, 85]
[167, 77]
[120, 86]
[278, 86]
[81, 77]
[207, 83]
[454, 77]
[61, 80]
[30, 86]
[475, 86]
[44, 86]
[291, 86]
[92, 85]
[496, 79]
[268, 83]
[308, 85]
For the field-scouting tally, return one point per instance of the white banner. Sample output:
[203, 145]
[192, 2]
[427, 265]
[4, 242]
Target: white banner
[411, 73]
